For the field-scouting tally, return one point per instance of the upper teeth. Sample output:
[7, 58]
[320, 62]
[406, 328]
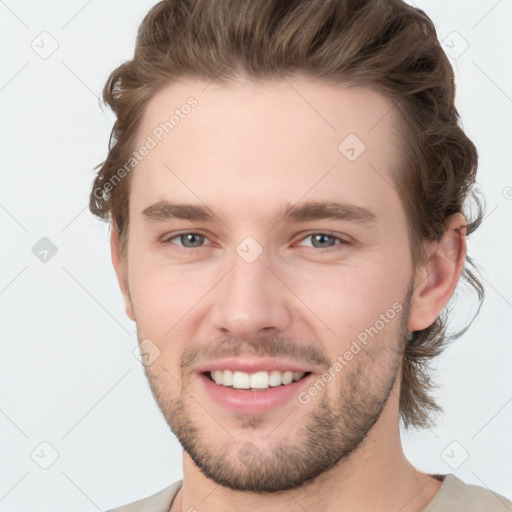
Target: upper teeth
[258, 380]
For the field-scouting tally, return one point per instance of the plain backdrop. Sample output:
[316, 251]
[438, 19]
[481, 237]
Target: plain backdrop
[78, 425]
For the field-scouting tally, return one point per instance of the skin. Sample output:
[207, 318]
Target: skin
[246, 151]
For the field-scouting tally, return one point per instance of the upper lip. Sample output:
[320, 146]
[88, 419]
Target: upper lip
[251, 365]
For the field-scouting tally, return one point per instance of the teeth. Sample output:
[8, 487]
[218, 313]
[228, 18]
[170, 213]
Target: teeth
[297, 375]
[227, 377]
[287, 377]
[241, 380]
[258, 380]
[275, 378]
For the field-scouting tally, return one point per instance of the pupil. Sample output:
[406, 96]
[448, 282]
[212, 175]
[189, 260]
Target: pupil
[320, 237]
[190, 237]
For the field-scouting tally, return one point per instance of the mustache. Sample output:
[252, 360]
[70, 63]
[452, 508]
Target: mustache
[271, 346]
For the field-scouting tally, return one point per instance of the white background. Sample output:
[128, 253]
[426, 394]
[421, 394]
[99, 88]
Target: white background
[68, 375]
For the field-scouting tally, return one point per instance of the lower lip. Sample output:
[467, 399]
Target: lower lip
[246, 401]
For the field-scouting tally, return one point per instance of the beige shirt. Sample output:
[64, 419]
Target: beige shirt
[453, 496]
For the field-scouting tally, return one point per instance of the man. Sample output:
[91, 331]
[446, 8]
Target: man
[286, 184]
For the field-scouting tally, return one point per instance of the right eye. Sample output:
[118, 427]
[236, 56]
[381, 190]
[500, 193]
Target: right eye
[187, 237]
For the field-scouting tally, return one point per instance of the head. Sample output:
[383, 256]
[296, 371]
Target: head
[240, 138]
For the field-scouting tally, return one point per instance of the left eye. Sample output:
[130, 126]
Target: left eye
[193, 240]
[321, 238]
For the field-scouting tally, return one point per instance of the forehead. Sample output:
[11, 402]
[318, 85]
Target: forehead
[267, 143]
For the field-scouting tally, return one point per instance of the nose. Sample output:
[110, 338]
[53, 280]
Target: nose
[251, 298]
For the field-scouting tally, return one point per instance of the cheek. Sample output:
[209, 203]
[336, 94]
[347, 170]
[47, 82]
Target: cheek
[169, 300]
[158, 295]
[351, 299]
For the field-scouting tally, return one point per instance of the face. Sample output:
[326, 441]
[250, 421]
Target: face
[267, 244]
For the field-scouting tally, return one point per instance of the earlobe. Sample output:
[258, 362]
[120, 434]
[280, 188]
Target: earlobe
[436, 280]
[120, 270]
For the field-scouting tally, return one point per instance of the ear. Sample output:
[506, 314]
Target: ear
[435, 281]
[120, 268]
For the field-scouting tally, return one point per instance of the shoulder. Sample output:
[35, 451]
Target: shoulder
[159, 502]
[457, 496]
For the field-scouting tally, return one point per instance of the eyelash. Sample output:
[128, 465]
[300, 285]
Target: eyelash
[342, 241]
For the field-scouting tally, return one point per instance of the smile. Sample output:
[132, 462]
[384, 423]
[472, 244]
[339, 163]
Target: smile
[254, 381]
[238, 392]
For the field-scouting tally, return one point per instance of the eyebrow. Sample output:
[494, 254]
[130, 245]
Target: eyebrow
[303, 212]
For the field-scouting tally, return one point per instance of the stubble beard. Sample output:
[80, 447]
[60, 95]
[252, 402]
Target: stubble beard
[326, 436]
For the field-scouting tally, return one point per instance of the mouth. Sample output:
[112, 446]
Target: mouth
[255, 391]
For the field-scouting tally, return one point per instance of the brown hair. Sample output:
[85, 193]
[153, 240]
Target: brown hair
[386, 45]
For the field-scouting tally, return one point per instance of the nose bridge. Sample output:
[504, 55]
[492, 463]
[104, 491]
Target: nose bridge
[251, 297]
